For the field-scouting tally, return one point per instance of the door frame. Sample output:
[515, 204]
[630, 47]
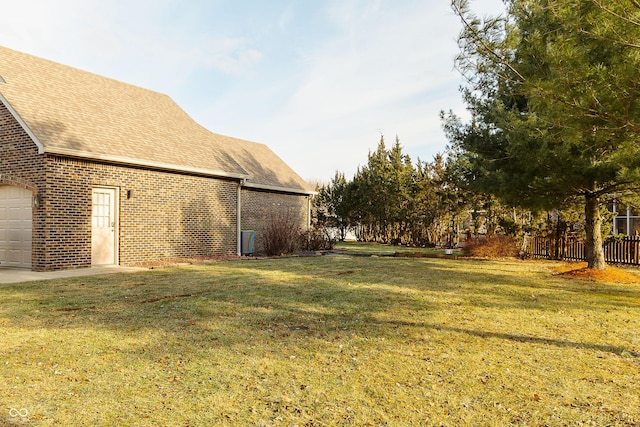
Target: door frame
[116, 222]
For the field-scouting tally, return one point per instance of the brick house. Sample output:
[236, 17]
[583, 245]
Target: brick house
[94, 171]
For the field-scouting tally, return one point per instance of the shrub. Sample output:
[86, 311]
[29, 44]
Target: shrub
[319, 239]
[496, 246]
[282, 234]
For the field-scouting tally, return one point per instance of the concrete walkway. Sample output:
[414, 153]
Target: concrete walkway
[15, 275]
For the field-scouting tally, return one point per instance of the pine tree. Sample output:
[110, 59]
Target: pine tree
[555, 102]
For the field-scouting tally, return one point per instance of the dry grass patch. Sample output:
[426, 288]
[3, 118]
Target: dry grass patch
[322, 341]
[495, 246]
[612, 274]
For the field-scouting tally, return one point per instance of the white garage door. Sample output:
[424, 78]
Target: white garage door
[15, 227]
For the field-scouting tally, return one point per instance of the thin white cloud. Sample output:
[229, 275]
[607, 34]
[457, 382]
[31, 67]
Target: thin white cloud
[358, 72]
[286, 16]
[382, 71]
[318, 82]
[135, 40]
[388, 68]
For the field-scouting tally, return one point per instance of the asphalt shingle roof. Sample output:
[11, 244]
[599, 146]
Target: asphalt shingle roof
[73, 112]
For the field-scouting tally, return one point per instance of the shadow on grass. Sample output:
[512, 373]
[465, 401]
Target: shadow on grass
[526, 339]
[231, 301]
[507, 284]
[236, 295]
[547, 291]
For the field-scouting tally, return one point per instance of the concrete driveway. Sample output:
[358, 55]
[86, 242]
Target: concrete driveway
[16, 275]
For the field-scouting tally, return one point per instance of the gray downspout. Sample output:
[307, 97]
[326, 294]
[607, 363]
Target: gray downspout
[308, 213]
[239, 219]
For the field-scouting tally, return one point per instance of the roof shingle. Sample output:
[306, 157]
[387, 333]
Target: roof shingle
[77, 113]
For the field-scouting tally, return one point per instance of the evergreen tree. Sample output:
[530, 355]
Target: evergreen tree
[332, 205]
[555, 103]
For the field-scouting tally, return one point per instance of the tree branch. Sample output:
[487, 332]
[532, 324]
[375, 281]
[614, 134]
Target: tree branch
[479, 40]
[616, 14]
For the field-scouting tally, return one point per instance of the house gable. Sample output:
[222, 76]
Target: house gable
[78, 114]
[180, 190]
[18, 119]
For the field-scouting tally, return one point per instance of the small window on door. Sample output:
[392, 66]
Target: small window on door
[102, 210]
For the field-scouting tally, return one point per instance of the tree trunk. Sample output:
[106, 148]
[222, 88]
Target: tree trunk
[594, 250]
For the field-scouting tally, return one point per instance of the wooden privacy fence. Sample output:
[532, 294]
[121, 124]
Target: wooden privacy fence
[626, 251]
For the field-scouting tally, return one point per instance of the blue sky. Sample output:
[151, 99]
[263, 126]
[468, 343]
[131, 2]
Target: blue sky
[317, 81]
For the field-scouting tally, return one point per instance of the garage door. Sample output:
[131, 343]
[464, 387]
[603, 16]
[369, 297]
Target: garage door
[15, 227]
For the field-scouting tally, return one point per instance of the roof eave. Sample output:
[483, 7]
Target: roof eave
[279, 188]
[144, 163]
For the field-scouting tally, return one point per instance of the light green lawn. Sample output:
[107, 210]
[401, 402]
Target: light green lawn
[376, 249]
[319, 341]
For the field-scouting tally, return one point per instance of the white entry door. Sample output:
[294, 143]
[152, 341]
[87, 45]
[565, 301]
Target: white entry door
[15, 227]
[104, 224]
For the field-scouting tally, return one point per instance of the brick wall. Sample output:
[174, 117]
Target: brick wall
[22, 166]
[259, 207]
[167, 216]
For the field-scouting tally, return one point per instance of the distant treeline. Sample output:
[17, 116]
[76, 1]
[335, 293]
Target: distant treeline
[395, 200]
